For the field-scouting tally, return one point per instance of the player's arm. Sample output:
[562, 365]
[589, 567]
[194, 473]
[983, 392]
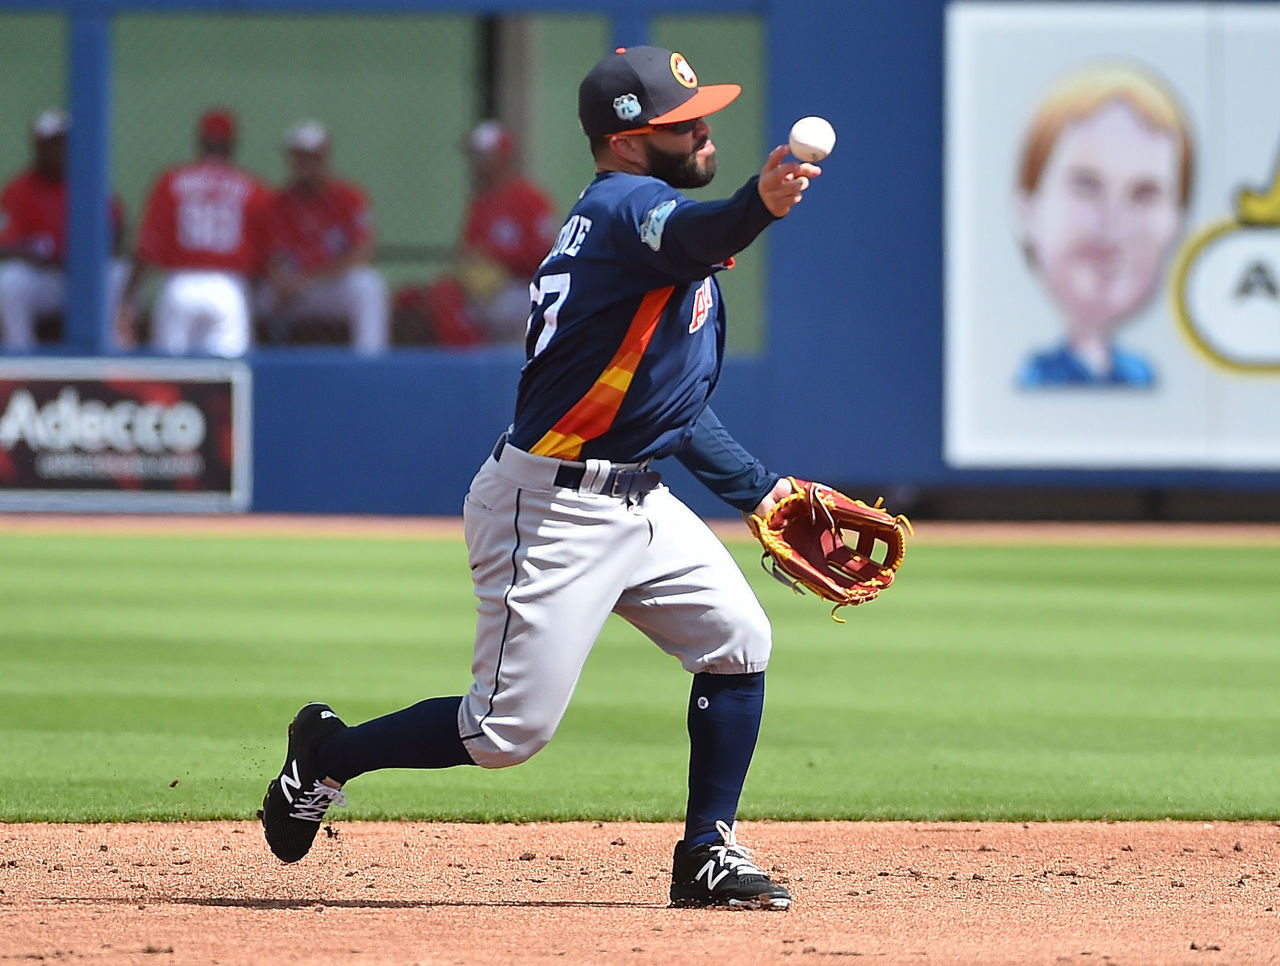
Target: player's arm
[711, 232]
[725, 467]
[708, 233]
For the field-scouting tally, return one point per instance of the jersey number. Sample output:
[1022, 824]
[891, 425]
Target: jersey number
[208, 226]
[547, 296]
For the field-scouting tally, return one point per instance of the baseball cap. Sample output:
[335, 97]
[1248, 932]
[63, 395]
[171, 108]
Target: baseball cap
[217, 124]
[637, 86]
[50, 124]
[490, 137]
[307, 136]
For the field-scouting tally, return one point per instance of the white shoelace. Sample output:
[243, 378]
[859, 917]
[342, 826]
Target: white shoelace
[735, 856]
[311, 806]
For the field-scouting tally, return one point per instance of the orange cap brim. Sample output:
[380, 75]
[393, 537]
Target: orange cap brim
[706, 101]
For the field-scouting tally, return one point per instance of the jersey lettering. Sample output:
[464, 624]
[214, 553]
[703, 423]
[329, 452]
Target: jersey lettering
[550, 287]
[701, 306]
[572, 235]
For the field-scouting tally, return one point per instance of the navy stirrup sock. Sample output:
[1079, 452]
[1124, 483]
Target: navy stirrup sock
[422, 736]
[724, 721]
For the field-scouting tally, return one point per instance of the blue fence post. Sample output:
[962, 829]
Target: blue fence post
[88, 323]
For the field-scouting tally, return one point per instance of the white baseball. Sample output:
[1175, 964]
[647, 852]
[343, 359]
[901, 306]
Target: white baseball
[812, 138]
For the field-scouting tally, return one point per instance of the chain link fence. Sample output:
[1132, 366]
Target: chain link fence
[398, 93]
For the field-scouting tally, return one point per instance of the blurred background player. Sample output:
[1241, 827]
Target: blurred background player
[509, 228]
[320, 248]
[205, 227]
[33, 237]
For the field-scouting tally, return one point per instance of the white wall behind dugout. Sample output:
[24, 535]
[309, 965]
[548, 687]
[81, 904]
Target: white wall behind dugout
[1205, 341]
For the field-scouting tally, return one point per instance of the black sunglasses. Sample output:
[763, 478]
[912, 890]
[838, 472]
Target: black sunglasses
[679, 127]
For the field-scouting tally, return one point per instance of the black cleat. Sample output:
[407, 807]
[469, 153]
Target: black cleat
[296, 801]
[723, 875]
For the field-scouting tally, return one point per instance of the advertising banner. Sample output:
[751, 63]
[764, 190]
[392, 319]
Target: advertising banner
[1112, 236]
[137, 435]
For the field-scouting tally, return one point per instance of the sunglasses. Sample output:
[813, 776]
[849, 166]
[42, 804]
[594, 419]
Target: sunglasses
[679, 127]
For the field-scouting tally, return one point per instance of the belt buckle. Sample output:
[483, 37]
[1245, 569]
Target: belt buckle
[617, 479]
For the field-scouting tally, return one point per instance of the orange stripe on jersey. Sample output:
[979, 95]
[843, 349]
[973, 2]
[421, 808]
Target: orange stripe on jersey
[593, 414]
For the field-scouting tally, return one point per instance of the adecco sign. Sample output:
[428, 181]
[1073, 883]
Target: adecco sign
[98, 434]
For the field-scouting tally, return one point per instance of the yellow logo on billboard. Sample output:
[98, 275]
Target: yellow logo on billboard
[1226, 285]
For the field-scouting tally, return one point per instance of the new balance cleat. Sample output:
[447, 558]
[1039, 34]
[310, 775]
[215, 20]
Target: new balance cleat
[723, 875]
[296, 801]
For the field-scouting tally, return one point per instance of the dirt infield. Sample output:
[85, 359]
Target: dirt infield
[1139, 893]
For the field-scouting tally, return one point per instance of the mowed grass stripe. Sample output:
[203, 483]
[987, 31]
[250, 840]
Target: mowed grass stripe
[152, 677]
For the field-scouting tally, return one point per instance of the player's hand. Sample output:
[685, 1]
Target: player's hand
[780, 489]
[782, 184]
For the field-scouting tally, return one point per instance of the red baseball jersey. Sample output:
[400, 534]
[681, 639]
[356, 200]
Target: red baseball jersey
[315, 229]
[33, 213]
[513, 224]
[207, 214]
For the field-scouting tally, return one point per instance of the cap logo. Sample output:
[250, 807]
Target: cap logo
[627, 107]
[683, 72]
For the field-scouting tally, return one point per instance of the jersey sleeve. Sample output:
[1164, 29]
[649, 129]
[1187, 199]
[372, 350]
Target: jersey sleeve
[360, 214]
[12, 222]
[690, 239]
[724, 466]
[153, 243]
[257, 229]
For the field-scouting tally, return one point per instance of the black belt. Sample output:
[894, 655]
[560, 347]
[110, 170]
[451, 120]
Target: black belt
[620, 483]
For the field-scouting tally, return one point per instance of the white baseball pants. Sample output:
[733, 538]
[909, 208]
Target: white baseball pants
[550, 563]
[359, 295]
[201, 313]
[28, 291]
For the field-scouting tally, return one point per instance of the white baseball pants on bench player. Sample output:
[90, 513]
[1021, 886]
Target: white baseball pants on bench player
[202, 312]
[550, 563]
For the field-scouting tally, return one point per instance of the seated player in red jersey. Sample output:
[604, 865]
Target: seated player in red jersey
[33, 237]
[320, 246]
[204, 227]
[510, 226]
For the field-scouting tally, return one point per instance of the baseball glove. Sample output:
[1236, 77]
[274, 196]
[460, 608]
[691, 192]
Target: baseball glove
[820, 539]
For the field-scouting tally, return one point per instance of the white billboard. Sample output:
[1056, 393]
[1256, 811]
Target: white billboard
[1112, 236]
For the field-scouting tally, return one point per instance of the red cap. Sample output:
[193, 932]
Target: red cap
[217, 124]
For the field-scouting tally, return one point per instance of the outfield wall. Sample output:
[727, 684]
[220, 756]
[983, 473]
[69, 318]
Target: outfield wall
[844, 380]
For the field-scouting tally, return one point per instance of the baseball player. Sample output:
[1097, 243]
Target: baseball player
[567, 521]
[509, 228]
[204, 226]
[320, 245]
[33, 237]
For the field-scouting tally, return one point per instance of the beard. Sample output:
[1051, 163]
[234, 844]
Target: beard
[678, 169]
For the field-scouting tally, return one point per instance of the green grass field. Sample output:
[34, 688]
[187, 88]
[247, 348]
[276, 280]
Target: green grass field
[152, 678]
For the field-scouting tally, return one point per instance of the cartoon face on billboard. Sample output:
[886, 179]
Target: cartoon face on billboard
[1103, 183]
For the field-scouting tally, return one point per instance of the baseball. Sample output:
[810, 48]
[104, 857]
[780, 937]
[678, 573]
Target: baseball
[812, 138]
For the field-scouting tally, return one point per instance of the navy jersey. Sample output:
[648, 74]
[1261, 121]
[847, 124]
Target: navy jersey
[626, 335]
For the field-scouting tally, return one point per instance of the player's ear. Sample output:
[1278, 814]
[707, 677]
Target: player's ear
[628, 149]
